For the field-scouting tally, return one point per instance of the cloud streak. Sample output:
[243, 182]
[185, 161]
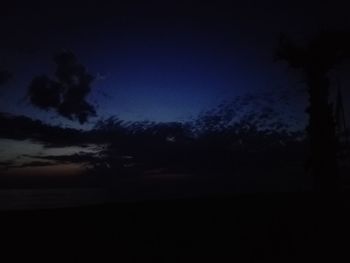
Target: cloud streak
[22, 128]
[34, 164]
[78, 158]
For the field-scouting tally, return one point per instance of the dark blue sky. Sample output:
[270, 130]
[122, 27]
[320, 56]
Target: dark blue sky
[158, 60]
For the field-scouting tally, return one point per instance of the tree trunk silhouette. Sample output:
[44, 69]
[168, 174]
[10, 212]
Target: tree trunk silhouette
[316, 60]
[321, 131]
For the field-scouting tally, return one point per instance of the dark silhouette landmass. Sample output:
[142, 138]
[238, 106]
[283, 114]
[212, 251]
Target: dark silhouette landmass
[235, 143]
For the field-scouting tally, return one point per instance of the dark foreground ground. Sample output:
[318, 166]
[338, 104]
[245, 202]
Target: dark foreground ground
[240, 228]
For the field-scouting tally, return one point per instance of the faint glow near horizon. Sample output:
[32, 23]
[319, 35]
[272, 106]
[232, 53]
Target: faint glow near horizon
[51, 170]
[20, 152]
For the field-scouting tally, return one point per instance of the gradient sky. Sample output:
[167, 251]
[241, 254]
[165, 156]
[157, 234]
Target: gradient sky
[158, 60]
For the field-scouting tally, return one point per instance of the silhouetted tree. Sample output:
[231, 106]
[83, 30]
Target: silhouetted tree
[67, 92]
[316, 60]
[219, 140]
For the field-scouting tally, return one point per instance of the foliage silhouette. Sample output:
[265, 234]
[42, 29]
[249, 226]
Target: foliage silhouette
[241, 136]
[220, 142]
[67, 92]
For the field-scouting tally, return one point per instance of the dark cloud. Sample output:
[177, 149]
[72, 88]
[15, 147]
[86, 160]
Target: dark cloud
[67, 92]
[5, 165]
[22, 128]
[49, 160]
[70, 158]
[35, 164]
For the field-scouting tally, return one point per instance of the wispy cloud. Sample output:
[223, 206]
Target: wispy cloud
[69, 158]
[5, 165]
[34, 164]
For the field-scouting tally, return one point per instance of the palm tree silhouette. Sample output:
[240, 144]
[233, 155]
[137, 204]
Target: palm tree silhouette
[315, 60]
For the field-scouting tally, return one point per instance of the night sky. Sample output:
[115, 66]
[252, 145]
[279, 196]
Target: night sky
[158, 60]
